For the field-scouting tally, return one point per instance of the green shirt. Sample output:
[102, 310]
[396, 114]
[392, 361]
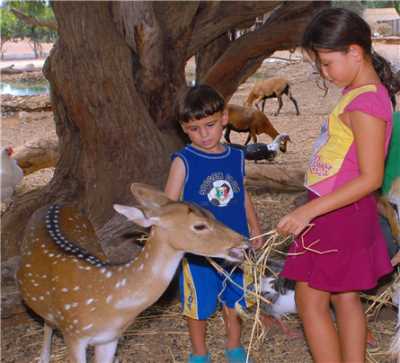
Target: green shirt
[392, 165]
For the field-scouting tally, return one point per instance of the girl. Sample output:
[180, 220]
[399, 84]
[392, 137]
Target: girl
[344, 251]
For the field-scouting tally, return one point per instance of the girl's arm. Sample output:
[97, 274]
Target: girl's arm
[369, 138]
[252, 220]
[176, 178]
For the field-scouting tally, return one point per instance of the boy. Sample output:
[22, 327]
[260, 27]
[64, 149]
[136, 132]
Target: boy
[211, 175]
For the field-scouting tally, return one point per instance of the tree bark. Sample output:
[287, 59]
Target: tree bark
[117, 74]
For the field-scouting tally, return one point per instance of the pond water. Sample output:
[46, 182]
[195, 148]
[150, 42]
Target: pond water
[24, 88]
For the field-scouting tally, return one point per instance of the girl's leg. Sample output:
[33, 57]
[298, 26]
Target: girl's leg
[232, 327]
[352, 326]
[322, 338]
[197, 332]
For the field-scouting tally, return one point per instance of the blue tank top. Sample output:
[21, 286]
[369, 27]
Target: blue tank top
[215, 182]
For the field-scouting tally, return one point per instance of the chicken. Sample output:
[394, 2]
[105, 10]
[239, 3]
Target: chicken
[261, 151]
[10, 173]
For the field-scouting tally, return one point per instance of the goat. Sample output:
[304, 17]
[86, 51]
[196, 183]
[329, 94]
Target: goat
[91, 301]
[270, 88]
[255, 122]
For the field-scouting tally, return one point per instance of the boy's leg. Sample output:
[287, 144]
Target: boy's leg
[198, 293]
[197, 332]
[232, 327]
[321, 334]
[352, 326]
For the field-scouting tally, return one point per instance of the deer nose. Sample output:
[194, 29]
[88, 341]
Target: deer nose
[245, 244]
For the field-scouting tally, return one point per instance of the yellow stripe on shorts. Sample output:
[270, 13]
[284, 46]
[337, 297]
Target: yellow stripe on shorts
[190, 297]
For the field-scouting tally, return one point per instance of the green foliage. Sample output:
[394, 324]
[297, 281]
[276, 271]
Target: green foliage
[359, 5]
[8, 25]
[13, 28]
[382, 4]
[356, 6]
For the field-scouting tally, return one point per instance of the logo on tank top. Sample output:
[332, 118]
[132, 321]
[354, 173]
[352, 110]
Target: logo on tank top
[219, 189]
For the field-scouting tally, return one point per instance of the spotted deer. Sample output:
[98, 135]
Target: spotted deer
[91, 301]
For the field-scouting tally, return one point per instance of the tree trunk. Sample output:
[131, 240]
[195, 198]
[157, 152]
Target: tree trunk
[117, 75]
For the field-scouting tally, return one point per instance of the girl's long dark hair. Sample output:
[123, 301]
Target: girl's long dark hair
[336, 29]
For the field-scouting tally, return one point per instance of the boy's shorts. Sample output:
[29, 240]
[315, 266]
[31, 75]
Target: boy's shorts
[202, 287]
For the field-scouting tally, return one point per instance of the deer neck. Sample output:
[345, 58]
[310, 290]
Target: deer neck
[151, 272]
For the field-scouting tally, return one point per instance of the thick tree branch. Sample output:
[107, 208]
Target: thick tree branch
[216, 18]
[246, 54]
[33, 21]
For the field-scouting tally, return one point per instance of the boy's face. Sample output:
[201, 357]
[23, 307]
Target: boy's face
[206, 133]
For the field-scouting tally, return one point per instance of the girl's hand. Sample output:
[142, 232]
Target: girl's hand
[294, 222]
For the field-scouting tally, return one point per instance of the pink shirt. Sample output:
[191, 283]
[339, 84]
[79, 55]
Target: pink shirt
[334, 160]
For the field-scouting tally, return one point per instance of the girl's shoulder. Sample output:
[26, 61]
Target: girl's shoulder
[372, 99]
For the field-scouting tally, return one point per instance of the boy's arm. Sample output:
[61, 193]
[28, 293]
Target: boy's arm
[176, 178]
[252, 220]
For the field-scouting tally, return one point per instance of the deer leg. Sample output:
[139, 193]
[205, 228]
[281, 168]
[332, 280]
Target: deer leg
[104, 353]
[76, 349]
[280, 104]
[46, 348]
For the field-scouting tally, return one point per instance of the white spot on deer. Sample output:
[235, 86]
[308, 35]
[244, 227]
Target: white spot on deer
[44, 276]
[74, 305]
[76, 288]
[89, 301]
[75, 321]
[108, 274]
[41, 297]
[30, 274]
[28, 265]
[51, 254]
[64, 289]
[34, 299]
[146, 255]
[140, 267]
[130, 302]
[108, 299]
[67, 306]
[123, 282]
[87, 327]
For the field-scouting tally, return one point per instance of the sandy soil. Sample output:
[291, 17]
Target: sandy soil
[160, 334]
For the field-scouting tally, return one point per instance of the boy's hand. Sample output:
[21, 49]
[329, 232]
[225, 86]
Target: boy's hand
[257, 242]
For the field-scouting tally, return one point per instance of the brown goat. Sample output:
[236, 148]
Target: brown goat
[270, 88]
[246, 119]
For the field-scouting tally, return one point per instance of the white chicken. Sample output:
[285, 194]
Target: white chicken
[10, 174]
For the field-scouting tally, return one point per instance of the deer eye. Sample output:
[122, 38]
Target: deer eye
[200, 227]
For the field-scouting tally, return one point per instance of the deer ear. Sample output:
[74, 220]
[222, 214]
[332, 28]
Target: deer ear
[136, 215]
[148, 196]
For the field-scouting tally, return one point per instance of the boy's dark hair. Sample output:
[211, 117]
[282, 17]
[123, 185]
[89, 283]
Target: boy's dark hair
[336, 29]
[200, 101]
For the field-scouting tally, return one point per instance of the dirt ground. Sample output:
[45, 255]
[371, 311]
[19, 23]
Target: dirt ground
[160, 334]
